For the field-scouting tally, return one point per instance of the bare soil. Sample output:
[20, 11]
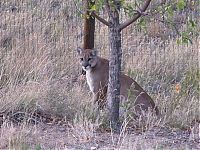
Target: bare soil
[49, 136]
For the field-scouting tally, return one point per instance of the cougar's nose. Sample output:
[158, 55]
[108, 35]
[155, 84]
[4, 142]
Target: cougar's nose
[85, 65]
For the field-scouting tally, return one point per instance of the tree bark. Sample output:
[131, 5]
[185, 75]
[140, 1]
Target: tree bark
[89, 28]
[114, 70]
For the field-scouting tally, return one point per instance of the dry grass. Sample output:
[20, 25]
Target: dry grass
[39, 82]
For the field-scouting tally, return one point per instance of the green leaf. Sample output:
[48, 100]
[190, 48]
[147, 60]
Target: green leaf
[99, 5]
[93, 8]
[142, 23]
[38, 147]
[192, 23]
[181, 4]
[127, 8]
[186, 38]
[178, 41]
[169, 10]
[122, 3]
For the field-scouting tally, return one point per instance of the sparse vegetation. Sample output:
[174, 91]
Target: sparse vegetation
[44, 104]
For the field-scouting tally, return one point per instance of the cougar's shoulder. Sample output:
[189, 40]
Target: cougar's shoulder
[102, 66]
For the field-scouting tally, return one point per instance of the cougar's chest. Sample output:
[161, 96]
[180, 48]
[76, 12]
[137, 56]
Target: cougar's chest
[90, 81]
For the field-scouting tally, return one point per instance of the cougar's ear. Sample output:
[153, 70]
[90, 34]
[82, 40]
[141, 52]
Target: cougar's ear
[79, 50]
[94, 52]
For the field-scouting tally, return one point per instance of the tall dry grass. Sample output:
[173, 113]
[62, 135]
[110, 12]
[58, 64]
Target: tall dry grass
[39, 70]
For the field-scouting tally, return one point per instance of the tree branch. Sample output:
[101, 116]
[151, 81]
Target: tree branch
[140, 13]
[93, 13]
[99, 18]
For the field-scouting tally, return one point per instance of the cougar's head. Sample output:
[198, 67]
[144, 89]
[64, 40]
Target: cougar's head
[87, 58]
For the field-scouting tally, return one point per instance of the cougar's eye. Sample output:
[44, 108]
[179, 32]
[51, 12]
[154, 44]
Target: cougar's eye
[89, 59]
[81, 59]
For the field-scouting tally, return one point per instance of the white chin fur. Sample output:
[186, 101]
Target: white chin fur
[88, 68]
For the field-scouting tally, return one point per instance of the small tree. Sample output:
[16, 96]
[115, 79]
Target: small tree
[115, 28]
[113, 8]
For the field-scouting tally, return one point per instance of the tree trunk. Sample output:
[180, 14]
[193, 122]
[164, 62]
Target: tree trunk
[89, 28]
[114, 71]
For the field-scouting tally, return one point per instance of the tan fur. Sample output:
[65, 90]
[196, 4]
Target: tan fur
[97, 70]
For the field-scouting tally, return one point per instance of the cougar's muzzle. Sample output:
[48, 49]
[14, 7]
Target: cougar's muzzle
[86, 66]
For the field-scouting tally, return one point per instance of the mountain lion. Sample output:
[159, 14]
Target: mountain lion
[97, 73]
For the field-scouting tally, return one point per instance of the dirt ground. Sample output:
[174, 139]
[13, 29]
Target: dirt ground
[48, 136]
